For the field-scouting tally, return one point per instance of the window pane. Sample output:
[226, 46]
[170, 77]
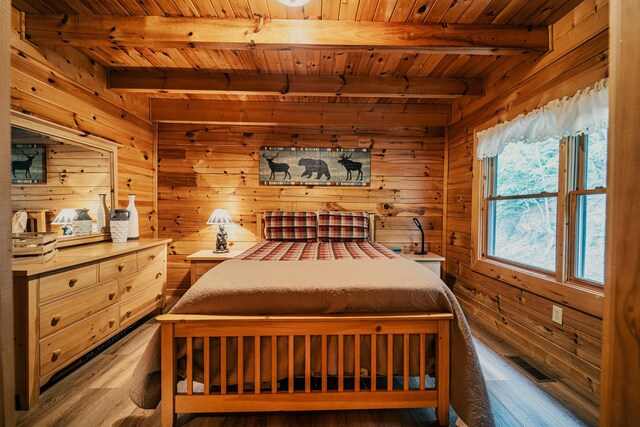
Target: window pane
[590, 237]
[528, 168]
[524, 231]
[597, 160]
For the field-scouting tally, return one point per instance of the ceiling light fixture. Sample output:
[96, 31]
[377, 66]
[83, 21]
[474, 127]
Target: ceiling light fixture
[294, 3]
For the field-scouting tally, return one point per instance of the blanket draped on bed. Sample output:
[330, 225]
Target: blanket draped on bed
[245, 287]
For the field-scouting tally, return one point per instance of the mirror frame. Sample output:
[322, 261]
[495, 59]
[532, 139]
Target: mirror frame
[83, 139]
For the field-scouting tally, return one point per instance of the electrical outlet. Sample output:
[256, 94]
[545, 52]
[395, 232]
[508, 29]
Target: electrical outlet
[556, 314]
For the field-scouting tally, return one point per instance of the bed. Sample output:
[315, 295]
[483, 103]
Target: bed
[316, 317]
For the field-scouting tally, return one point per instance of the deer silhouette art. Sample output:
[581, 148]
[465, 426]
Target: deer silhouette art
[277, 167]
[351, 166]
[23, 165]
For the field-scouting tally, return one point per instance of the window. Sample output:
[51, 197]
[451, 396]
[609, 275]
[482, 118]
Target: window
[588, 201]
[530, 191]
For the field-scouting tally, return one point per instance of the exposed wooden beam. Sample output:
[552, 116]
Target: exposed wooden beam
[282, 34]
[291, 85]
[298, 114]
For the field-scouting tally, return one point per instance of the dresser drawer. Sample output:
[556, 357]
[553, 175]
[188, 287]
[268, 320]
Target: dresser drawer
[151, 256]
[118, 266]
[64, 312]
[133, 283]
[59, 349]
[67, 281]
[140, 304]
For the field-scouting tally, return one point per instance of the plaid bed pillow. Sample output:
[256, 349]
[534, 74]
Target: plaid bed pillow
[343, 226]
[291, 226]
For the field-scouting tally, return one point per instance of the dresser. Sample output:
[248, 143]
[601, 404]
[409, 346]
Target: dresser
[68, 306]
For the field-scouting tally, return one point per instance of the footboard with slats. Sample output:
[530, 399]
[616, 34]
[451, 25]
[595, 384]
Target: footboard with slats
[299, 393]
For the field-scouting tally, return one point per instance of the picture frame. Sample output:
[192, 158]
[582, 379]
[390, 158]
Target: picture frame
[28, 164]
[315, 166]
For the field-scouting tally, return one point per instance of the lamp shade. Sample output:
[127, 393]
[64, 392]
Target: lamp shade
[220, 216]
[294, 3]
[64, 217]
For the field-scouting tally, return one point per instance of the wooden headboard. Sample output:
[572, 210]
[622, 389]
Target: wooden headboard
[260, 226]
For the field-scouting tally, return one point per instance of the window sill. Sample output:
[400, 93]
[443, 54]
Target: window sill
[581, 297]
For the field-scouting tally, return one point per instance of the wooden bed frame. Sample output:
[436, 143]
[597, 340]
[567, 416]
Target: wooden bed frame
[239, 399]
[252, 398]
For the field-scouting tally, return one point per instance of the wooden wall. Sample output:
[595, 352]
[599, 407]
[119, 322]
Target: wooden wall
[580, 58]
[202, 167]
[621, 353]
[63, 86]
[7, 393]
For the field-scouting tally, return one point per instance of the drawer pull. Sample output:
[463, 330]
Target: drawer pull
[129, 288]
[56, 354]
[73, 282]
[120, 267]
[55, 319]
[159, 296]
[152, 257]
[112, 322]
[111, 295]
[128, 313]
[158, 275]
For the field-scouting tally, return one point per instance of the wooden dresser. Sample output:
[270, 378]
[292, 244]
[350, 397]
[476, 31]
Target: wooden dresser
[71, 304]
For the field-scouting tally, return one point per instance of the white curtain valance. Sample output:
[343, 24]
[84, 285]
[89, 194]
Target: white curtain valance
[587, 112]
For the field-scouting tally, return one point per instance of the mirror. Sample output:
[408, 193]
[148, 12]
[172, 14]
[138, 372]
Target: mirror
[56, 168]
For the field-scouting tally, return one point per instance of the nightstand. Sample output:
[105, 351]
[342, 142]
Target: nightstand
[204, 260]
[430, 260]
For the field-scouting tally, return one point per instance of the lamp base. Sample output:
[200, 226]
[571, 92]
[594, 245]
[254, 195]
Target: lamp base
[420, 253]
[221, 251]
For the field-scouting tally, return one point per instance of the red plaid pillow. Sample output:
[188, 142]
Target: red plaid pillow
[343, 226]
[291, 226]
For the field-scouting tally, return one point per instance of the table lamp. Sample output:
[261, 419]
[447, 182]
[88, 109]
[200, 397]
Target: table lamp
[416, 221]
[220, 217]
[64, 218]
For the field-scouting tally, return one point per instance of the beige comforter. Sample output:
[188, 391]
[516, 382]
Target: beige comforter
[328, 286]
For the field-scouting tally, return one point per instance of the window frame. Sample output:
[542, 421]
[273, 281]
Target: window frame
[561, 285]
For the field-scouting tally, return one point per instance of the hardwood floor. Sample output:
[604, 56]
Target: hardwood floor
[96, 394]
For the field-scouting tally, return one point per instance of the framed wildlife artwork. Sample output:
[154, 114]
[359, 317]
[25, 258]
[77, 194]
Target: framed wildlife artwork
[315, 166]
[28, 164]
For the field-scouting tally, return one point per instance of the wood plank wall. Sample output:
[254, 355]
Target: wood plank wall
[63, 86]
[579, 58]
[7, 391]
[202, 167]
[620, 367]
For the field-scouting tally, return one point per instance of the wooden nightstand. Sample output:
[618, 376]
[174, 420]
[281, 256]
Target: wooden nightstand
[204, 260]
[430, 260]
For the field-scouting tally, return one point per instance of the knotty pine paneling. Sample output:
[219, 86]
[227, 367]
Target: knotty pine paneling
[570, 351]
[201, 168]
[63, 86]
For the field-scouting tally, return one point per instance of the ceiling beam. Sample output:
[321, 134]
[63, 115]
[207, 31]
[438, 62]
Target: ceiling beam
[282, 34]
[291, 85]
[298, 114]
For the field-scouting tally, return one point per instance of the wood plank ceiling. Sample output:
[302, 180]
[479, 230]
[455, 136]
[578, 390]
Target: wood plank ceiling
[357, 63]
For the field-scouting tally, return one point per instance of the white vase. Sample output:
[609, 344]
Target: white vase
[134, 230]
[119, 226]
[119, 231]
[82, 223]
[102, 219]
